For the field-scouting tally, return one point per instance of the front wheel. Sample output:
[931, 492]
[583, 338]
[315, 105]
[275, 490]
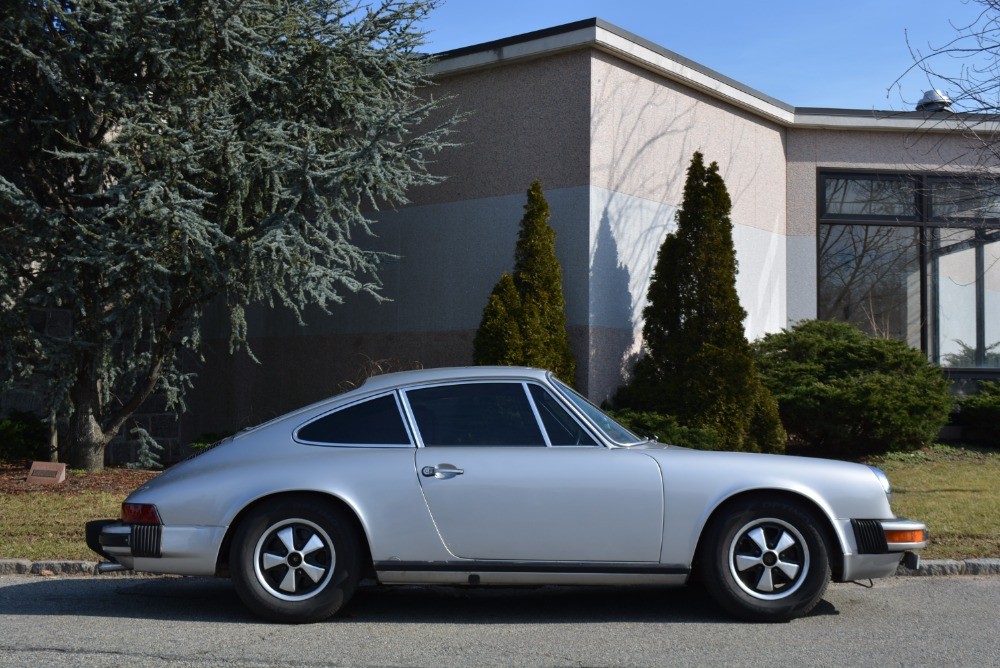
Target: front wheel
[294, 560]
[766, 560]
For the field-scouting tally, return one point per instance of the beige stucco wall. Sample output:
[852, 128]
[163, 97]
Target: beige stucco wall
[645, 128]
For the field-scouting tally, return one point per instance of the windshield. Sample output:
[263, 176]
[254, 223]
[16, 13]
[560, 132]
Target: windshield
[611, 429]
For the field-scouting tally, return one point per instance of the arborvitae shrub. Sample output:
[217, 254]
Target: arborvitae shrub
[700, 366]
[842, 393]
[498, 339]
[524, 322]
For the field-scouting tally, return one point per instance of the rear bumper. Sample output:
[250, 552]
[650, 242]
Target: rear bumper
[179, 550]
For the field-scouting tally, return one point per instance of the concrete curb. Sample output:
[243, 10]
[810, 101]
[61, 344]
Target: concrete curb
[48, 567]
[928, 567]
[952, 567]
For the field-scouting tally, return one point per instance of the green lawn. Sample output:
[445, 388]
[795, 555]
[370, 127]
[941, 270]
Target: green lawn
[956, 492]
[41, 525]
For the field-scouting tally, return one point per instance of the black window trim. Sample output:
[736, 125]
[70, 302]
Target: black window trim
[925, 224]
[928, 182]
[361, 400]
[824, 174]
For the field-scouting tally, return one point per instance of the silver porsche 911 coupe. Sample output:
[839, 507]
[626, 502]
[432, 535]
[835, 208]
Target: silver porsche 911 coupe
[499, 476]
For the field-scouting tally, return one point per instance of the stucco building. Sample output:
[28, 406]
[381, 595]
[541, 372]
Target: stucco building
[847, 214]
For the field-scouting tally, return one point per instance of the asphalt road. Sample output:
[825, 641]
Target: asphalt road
[143, 621]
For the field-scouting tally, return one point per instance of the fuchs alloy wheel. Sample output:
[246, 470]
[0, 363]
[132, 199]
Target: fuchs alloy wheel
[294, 560]
[769, 559]
[766, 561]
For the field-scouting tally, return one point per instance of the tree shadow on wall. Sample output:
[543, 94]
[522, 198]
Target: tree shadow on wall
[612, 305]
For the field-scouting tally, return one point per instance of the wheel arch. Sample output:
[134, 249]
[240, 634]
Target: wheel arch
[826, 525]
[222, 559]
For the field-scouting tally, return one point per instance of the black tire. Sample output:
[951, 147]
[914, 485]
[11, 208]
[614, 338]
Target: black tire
[307, 583]
[784, 581]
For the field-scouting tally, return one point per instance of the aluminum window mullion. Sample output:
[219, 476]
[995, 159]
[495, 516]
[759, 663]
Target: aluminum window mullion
[980, 300]
[934, 314]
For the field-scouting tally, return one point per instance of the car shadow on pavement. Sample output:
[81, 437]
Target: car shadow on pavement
[215, 600]
[540, 605]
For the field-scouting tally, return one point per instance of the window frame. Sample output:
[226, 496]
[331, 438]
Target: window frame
[559, 385]
[352, 404]
[585, 426]
[927, 227]
[419, 440]
[880, 176]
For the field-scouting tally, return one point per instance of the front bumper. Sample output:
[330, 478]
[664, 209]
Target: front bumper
[870, 554]
[180, 550]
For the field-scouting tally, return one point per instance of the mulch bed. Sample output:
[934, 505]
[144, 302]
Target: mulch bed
[13, 480]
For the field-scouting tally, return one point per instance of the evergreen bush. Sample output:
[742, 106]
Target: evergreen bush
[524, 321]
[700, 366]
[667, 429]
[979, 415]
[842, 393]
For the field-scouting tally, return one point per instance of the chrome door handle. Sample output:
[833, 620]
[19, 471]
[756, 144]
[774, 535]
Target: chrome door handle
[441, 471]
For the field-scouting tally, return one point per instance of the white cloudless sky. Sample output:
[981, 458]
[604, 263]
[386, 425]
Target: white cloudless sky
[808, 53]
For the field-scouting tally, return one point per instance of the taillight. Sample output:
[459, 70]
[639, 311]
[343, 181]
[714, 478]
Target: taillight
[140, 513]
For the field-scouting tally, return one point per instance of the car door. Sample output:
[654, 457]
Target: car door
[498, 489]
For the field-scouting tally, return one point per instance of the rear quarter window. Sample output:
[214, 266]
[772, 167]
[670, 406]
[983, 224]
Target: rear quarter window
[373, 422]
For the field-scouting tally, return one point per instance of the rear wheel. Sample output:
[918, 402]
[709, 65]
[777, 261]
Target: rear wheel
[766, 560]
[294, 560]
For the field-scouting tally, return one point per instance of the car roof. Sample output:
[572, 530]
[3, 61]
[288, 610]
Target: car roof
[420, 376]
[389, 381]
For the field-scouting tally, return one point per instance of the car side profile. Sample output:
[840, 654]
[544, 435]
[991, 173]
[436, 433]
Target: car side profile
[499, 476]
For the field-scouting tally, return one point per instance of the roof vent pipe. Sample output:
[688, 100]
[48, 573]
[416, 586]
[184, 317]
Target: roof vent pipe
[934, 100]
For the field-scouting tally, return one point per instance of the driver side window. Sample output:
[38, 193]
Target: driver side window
[494, 414]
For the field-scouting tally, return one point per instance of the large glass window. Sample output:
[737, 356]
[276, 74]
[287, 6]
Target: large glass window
[869, 196]
[870, 275]
[915, 258]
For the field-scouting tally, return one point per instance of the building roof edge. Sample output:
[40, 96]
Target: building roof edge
[638, 50]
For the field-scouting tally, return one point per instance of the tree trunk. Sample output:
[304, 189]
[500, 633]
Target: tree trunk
[87, 439]
[53, 438]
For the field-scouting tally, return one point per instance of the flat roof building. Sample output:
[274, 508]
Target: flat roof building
[878, 218]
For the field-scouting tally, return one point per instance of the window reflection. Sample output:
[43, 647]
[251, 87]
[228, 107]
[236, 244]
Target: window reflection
[968, 200]
[870, 275]
[964, 281]
[870, 197]
[991, 298]
[953, 288]
[915, 258]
